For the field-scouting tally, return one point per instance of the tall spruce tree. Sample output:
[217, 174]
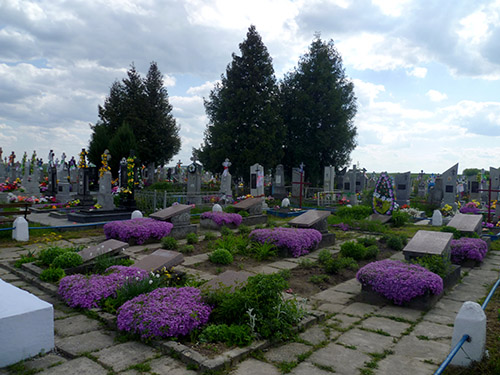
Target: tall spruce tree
[141, 104]
[243, 112]
[318, 108]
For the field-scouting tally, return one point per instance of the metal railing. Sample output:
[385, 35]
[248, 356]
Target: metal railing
[150, 201]
[465, 337]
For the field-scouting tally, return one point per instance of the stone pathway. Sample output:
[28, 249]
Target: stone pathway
[356, 338]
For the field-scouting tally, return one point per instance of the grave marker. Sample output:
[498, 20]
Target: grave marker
[279, 191]
[428, 243]
[329, 178]
[159, 259]
[105, 197]
[450, 185]
[402, 182]
[314, 219]
[109, 247]
[228, 279]
[179, 215]
[467, 223]
[194, 182]
[257, 180]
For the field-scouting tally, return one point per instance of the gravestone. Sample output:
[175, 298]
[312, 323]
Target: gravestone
[403, 188]
[83, 191]
[315, 219]
[436, 192]
[229, 280]
[63, 192]
[32, 183]
[279, 191]
[105, 197]
[150, 174]
[349, 181]
[437, 218]
[225, 185]
[361, 181]
[474, 186]
[450, 185]
[329, 178]
[254, 208]
[194, 182]
[52, 186]
[179, 215]
[426, 243]
[495, 182]
[422, 188]
[159, 259]
[467, 223]
[109, 247]
[73, 179]
[26, 325]
[257, 180]
[296, 179]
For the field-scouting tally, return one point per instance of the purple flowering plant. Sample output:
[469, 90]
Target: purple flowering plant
[87, 291]
[398, 281]
[468, 249]
[469, 208]
[164, 312]
[299, 241]
[138, 230]
[223, 218]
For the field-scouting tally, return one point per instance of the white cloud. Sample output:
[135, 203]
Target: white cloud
[202, 90]
[436, 96]
[418, 72]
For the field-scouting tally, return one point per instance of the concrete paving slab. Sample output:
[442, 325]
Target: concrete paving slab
[342, 321]
[75, 325]
[266, 270]
[400, 312]
[314, 335]
[283, 265]
[254, 367]
[411, 346]
[352, 286]
[344, 361]
[307, 368]
[44, 362]
[122, 356]
[332, 296]
[170, 366]
[331, 307]
[440, 316]
[398, 364]
[286, 353]
[86, 342]
[364, 341]
[395, 329]
[448, 304]
[360, 309]
[80, 366]
[433, 331]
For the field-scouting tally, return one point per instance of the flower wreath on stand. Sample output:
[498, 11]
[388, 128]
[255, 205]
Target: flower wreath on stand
[383, 196]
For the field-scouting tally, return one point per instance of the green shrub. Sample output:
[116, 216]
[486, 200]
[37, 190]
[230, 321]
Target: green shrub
[353, 250]
[318, 279]
[271, 223]
[367, 241]
[68, 260]
[348, 262]
[243, 213]
[306, 263]
[259, 226]
[371, 252]
[435, 263]
[52, 274]
[47, 256]
[400, 218]
[263, 251]
[131, 289]
[355, 212]
[395, 242]
[191, 238]
[169, 243]
[234, 334]
[105, 261]
[367, 197]
[28, 258]
[234, 244]
[244, 229]
[455, 231]
[225, 231]
[335, 265]
[210, 236]
[187, 249]
[221, 256]
[324, 256]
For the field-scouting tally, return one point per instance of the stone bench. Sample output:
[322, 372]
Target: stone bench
[26, 325]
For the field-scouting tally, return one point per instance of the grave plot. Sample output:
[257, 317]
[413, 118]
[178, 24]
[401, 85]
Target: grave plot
[467, 224]
[179, 215]
[315, 219]
[253, 209]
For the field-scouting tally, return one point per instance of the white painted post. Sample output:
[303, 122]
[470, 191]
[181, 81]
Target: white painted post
[217, 208]
[136, 214]
[285, 203]
[20, 231]
[470, 320]
[437, 218]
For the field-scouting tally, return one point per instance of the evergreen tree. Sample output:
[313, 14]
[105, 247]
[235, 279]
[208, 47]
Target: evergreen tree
[243, 112]
[318, 108]
[143, 105]
[120, 145]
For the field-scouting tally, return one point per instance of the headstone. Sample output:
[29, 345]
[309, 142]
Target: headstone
[122, 174]
[217, 208]
[257, 180]
[159, 259]
[32, 184]
[467, 223]
[52, 186]
[83, 188]
[63, 191]
[73, 179]
[436, 192]
[26, 325]
[428, 243]
[105, 197]
[285, 203]
[3, 172]
[402, 182]
[450, 185]
[150, 174]
[437, 218]
[314, 219]
[329, 178]
[361, 181]
[229, 280]
[109, 247]
[252, 205]
[279, 191]
[495, 182]
[225, 186]
[194, 182]
[179, 215]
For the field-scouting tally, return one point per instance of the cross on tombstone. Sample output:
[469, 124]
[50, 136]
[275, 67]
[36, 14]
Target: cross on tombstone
[301, 183]
[489, 190]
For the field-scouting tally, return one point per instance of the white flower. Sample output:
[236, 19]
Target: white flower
[150, 282]
[136, 278]
[157, 275]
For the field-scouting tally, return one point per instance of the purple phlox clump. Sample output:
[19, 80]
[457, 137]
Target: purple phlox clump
[223, 218]
[488, 225]
[398, 281]
[140, 230]
[469, 208]
[341, 226]
[165, 312]
[87, 291]
[299, 241]
[468, 248]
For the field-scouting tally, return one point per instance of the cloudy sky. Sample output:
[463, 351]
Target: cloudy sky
[426, 73]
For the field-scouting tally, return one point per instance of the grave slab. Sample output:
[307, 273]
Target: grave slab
[428, 243]
[107, 247]
[467, 223]
[159, 259]
[252, 205]
[168, 213]
[26, 325]
[315, 219]
[231, 279]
